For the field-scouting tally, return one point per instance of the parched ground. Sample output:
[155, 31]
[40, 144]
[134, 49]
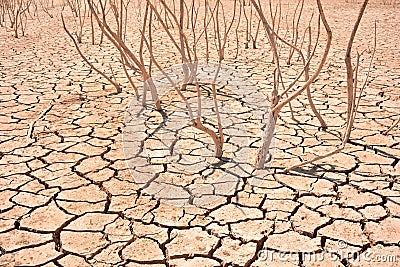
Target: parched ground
[68, 197]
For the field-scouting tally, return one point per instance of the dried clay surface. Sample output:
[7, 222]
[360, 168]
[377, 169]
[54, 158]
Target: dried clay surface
[68, 197]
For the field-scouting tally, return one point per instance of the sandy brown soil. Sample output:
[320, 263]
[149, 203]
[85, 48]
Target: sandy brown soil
[68, 198]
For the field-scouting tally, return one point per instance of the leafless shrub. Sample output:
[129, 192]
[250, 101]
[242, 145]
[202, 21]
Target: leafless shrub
[353, 99]
[277, 100]
[46, 5]
[110, 80]
[112, 23]
[79, 10]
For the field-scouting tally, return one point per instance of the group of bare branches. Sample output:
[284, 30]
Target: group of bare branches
[201, 31]
[15, 14]
[206, 31]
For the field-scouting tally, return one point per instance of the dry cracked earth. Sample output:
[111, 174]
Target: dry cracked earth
[68, 197]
